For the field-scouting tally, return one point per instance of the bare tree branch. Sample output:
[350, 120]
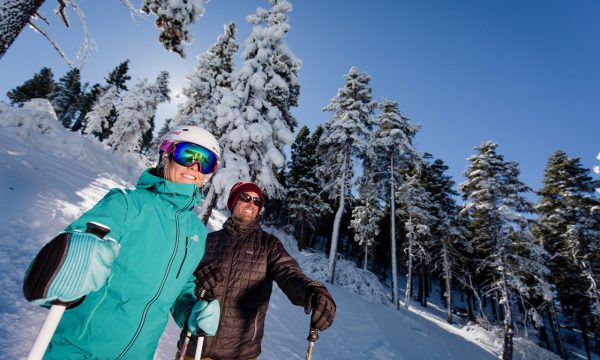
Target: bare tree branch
[54, 44]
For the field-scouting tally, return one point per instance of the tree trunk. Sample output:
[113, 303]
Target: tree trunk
[543, 336]
[423, 286]
[555, 326]
[16, 15]
[408, 293]
[469, 306]
[393, 239]
[507, 352]
[208, 204]
[337, 221]
[584, 333]
[448, 287]
[301, 237]
[366, 255]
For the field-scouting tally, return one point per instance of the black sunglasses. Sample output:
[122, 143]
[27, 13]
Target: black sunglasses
[247, 198]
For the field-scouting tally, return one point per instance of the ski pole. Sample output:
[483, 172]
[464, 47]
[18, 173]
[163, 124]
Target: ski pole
[188, 336]
[200, 337]
[58, 307]
[313, 335]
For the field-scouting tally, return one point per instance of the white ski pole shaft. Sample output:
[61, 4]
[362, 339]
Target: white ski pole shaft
[199, 348]
[43, 339]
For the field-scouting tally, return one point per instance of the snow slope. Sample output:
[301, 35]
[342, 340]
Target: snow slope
[50, 176]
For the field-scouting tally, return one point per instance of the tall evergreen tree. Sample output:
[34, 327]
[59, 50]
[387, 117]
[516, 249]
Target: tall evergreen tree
[569, 229]
[118, 76]
[117, 79]
[417, 210]
[256, 115]
[212, 75]
[367, 215]
[345, 138]
[65, 97]
[39, 87]
[86, 103]
[447, 234]
[392, 145]
[304, 206]
[135, 113]
[500, 219]
[97, 119]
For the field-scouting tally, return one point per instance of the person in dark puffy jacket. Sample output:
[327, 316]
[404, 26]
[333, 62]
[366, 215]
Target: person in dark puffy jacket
[238, 268]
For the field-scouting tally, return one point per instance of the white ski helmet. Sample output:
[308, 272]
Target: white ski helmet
[193, 134]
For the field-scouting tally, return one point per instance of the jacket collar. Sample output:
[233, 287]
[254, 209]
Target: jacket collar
[236, 228]
[177, 193]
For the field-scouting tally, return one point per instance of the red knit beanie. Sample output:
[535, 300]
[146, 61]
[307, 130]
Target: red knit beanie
[240, 187]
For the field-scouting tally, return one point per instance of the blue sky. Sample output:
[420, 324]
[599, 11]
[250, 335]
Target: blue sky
[524, 74]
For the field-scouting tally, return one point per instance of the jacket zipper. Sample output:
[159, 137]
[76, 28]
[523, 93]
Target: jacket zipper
[234, 248]
[162, 283]
[187, 240]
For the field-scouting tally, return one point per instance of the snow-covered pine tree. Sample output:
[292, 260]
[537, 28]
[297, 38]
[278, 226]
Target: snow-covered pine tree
[135, 111]
[173, 19]
[38, 87]
[345, 138]
[210, 79]
[97, 119]
[255, 116]
[392, 145]
[569, 229]
[212, 75]
[500, 217]
[417, 211]
[304, 206]
[65, 97]
[367, 216]
[119, 76]
[86, 102]
[447, 231]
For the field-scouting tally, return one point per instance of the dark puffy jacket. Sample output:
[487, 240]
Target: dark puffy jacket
[250, 259]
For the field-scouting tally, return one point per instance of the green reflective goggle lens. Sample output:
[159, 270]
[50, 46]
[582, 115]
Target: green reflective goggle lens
[188, 154]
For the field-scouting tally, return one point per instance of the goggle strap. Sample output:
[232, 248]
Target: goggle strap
[167, 146]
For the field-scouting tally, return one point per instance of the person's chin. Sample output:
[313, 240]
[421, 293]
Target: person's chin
[184, 180]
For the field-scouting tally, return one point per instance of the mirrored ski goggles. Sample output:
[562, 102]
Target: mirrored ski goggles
[247, 198]
[187, 154]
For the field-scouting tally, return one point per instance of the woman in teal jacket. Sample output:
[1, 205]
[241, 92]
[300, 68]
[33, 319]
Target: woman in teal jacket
[144, 270]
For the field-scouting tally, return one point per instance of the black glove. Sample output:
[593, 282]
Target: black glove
[319, 301]
[207, 278]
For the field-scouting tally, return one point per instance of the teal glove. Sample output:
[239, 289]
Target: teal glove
[204, 318]
[85, 268]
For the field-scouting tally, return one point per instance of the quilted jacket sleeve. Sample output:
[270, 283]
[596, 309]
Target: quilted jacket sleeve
[287, 273]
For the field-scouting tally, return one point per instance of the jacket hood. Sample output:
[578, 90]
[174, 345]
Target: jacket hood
[179, 193]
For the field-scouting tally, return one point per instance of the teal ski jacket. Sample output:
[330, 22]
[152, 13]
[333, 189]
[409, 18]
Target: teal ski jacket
[162, 241]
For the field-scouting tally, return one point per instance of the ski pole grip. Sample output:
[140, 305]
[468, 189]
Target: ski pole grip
[313, 335]
[94, 228]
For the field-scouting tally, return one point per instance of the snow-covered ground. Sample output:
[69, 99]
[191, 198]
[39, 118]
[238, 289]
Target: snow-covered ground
[50, 176]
